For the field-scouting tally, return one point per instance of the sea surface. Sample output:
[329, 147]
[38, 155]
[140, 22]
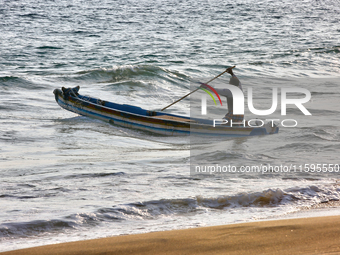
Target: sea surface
[65, 177]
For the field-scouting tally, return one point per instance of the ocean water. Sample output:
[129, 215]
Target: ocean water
[65, 177]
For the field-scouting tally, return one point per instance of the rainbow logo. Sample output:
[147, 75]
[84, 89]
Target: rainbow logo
[213, 90]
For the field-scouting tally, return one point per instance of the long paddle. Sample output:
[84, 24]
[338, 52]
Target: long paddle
[197, 89]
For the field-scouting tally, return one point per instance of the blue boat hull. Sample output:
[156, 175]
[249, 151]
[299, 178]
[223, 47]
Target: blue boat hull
[156, 122]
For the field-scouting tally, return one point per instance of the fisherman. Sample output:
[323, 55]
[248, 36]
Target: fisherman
[230, 116]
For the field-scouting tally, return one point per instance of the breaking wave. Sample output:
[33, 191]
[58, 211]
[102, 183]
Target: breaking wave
[148, 210]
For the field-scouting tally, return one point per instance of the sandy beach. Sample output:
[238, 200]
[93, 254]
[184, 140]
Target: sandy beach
[320, 235]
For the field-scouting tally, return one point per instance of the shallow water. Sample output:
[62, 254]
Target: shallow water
[65, 177]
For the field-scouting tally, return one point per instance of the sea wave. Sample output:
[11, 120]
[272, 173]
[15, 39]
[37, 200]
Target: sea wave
[12, 82]
[300, 198]
[124, 73]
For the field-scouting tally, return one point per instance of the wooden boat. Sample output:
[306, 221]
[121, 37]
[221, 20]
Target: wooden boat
[153, 121]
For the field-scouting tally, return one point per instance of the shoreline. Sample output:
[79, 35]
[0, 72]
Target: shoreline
[314, 235]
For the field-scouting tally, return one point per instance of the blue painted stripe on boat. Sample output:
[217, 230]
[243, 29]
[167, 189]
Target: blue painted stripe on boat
[78, 110]
[125, 122]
